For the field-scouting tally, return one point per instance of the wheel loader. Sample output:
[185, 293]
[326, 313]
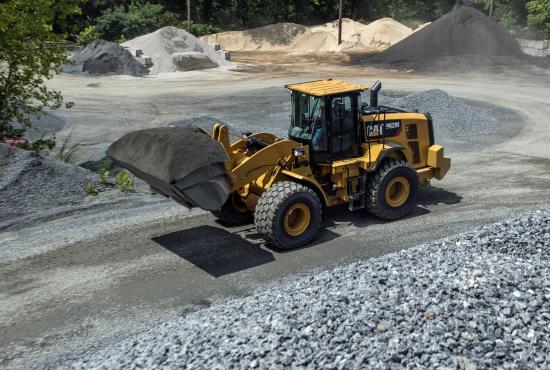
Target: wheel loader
[339, 151]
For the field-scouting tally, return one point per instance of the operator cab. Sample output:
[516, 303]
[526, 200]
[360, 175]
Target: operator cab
[325, 116]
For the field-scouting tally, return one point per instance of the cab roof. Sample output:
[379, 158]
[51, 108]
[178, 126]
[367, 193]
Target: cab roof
[325, 87]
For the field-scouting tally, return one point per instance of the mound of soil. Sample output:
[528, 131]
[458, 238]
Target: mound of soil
[278, 36]
[31, 183]
[105, 57]
[173, 49]
[294, 37]
[462, 32]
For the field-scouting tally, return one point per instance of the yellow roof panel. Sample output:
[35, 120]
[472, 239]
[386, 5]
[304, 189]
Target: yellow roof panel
[325, 87]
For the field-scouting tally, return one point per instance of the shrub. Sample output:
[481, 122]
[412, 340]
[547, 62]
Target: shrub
[68, 152]
[139, 18]
[88, 35]
[125, 183]
[27, 60]
[91, 189]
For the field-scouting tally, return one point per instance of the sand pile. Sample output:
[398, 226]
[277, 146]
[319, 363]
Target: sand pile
[383, 33]
[293, 37]
[104, 57]
[462, 32]
[31, 183]
[173, 49]
[278, 36]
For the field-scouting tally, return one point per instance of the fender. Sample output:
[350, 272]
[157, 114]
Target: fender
[392, 148]
[313, 184]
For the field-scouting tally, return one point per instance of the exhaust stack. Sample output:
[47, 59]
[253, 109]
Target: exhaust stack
[374, 94]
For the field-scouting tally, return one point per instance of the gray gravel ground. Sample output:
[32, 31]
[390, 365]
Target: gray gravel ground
[30, 183]
[455, 120]
[479, 300]
[452, 117]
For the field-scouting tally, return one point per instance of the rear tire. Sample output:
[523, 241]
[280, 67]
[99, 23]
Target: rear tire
[392, 190]
[234, 212]
[288, 215]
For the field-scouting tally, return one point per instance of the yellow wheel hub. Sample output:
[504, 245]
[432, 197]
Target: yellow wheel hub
[397, 191]
[297, 219]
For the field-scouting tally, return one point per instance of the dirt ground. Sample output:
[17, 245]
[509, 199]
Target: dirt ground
[81, 281]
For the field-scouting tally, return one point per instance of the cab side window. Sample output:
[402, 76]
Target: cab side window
[342, 125]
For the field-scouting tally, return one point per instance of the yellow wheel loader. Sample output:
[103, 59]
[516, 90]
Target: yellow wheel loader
[338, 151]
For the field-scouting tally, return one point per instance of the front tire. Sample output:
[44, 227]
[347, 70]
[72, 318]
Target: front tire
[288, 215]
[392, 190]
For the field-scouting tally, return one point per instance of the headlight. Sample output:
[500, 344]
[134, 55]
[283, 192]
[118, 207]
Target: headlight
[298, 152]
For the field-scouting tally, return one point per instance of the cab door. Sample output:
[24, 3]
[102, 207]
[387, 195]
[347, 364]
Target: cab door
[342, 123]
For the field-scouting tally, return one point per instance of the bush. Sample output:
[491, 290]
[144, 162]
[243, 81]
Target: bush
[68, 152]
[140, 18]
[119, 23]
[200, 29]
[538, 17]
[88, 35]
[125, 183]
[91, 188]
[27, 60]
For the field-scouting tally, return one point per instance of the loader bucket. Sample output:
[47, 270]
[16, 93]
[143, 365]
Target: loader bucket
[183, 163]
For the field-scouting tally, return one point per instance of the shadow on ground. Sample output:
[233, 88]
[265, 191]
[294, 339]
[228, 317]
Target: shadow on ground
[219, 252]
[214, 250]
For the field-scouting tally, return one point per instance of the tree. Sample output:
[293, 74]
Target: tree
[27, 60]
[538, 17]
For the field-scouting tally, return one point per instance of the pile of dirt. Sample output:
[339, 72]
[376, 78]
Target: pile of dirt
[104, 57]
[165, 156]
[30, 183]
[173, 49]
[463, 32]
[377, 35]
[278, 36]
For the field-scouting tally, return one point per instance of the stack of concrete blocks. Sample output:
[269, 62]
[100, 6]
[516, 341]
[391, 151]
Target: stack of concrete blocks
[537, 48]
[226, 54]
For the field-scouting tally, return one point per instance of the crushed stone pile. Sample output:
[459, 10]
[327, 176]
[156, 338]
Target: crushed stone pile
[452, 117]
[105, 57]
[30, 183]
[462, 32]
[476, 300]
[377, 35]
[173, 49]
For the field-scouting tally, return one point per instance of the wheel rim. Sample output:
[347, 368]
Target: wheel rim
[297, 219]
[397, 191]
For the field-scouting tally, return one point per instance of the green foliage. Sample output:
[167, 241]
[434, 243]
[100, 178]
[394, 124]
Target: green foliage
[27, 60]
[130, 18]
[41, 145]
[139, 18]
[104, 175]
[91, 189]
[125, 183]
[538, 18]
[89, 34]
[199, 29]
[68, 152]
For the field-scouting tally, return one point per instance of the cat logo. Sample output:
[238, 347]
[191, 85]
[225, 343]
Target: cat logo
[384, 129]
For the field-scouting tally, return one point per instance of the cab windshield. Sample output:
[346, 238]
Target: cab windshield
[308, 120]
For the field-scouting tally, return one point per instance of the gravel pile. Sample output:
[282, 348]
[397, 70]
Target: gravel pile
[452, 117]
[476, 300]
[105, 57]
[463, 32]
[30, 183]
[172, 49]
